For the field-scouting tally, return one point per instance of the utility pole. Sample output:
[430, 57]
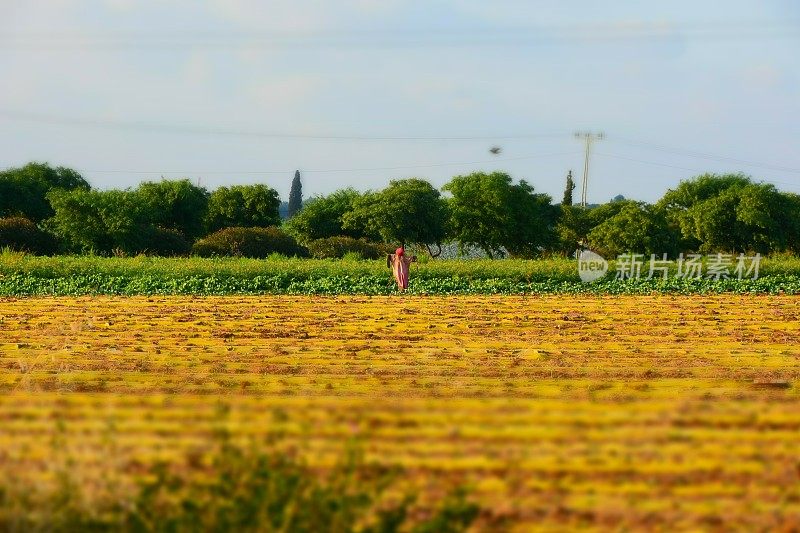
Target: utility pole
[588, 137]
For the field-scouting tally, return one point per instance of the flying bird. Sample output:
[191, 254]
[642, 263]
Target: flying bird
[495, 150]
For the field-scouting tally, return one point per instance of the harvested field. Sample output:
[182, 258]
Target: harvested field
[613, 411]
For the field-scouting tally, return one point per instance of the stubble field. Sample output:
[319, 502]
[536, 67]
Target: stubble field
[598, 411]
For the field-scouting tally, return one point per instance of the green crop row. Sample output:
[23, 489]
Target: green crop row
[160, 267]
[22, 275]
[95, 284]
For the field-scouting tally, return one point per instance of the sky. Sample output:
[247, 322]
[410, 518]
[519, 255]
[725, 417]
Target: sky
[355, 93]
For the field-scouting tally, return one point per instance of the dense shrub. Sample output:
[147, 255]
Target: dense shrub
[322, 217]
[22, 235]
[164, 242]
[337, 247]
[102, 222]
[248, 242]
[636, 228]
[176, 204]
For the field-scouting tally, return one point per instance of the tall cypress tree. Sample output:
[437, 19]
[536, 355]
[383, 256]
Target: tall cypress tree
[295, 195]
[568, 190]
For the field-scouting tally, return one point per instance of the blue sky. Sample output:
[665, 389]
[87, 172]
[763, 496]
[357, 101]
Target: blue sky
[126, 91]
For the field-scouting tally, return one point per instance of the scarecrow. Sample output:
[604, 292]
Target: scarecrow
[399, 263]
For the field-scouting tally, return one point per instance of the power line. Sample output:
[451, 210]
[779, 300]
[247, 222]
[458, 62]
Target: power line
[701, 155]
[655, 163]
[332, 170]
[615, 156]
[194, 129]
[152, 127]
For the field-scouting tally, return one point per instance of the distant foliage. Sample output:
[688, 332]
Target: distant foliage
[295, 196]
[571, 229]
[100, 221]
[637, 228]
[730, 213]
[323, 217]
[22, 235]
[791, 207]
[492, 213]
[248, 242]
[176, 205]
[409, 211]
[165, 242]
[576, 225]
[338, 247]
[23, 190]
[568, 189]
[242, 206]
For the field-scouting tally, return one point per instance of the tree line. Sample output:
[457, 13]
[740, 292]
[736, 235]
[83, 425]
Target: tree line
[54, 210]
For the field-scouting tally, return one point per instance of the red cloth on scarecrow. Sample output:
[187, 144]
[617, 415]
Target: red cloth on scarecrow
[400, 265]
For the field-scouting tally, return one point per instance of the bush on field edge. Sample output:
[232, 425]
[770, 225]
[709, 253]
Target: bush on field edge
[257, 243]
[338, 247]
[22, 235]
[163, 242]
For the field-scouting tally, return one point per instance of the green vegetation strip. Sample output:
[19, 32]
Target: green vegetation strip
[23, 275]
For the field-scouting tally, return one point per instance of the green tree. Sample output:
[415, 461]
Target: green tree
[534, 218]
[176, 205]
[676, 203]
[567, 200]
[409, 211]
[790, 207]
[23, 190]
[295, 196]
[242, 206]
[575, 223]
[698, 189]
[739, 219]
[100, 221]
[571, 229]
[729, 213]
[323, 217]
[492, 213]
[638, 228]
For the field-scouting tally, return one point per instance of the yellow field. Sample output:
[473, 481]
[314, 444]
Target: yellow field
[649, 412]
